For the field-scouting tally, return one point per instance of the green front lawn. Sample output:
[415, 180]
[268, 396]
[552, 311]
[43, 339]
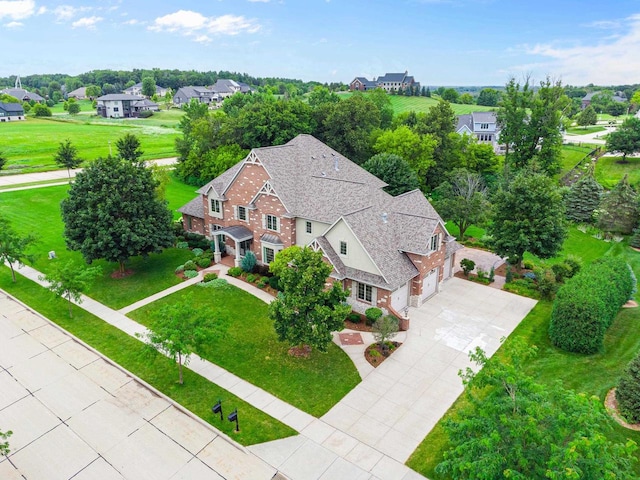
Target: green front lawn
[571, 155]
[37, 212]
[197, 394]
[593, 374]
[250, 349]
[401, 104]
[610, 171]
[585, 130]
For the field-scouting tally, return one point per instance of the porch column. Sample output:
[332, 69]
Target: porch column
[217, 256]
[237, 260]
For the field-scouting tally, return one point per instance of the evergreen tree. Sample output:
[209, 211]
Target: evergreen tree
[618, 211]
[129, 147]
[628, 392]
[428, 93]
[583, 199]
[588, 116]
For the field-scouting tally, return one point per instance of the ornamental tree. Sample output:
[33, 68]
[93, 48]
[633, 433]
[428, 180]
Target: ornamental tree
[113, 213]
[180, 330]
[528, 216]
[588, 116]
[67, 157]
[305, 312]
[69, 280]
[628, 391]
[13, 247]
[512, 427]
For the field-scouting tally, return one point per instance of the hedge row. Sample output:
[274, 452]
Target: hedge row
[588, 303]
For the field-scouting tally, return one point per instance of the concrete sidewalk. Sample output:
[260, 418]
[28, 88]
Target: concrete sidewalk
[62, 175]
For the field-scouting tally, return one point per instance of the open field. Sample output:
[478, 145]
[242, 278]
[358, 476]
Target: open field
[571, 155]
[248, 347]
[585, 130]
[610, 171]
[592, 374]
[403, 104]
[30, 145]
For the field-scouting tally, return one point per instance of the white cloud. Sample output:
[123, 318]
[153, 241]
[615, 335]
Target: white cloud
[42, 10]
[13, 24]
[202, 39]
[133, 21]
[611, 60]
[87, 22]
[191, 23]
[65, 12]
[18, 9]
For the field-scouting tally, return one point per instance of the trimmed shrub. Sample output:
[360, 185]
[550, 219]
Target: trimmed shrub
[209, 276]
[145, 114]
[587, 305]
[262, 270]
[547, 285]
[190, 273]
[522, 286]
[203, 262]
[274, 282]
[372, 314]
[197, 251]
[562, 271]
[251, 278]
[509, 275]
[183, 245]
[215, 283]
[354, 317]
[234, 272]
[528, 265]
[196, 240]
[492, 275]
[635, 240]
[248, 262]
[263, 282]
[628, 392]
[190, 265]
[575, 263]
[467, 265]
[180, 269]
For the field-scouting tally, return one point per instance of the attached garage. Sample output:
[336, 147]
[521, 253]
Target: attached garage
[430, 284]
[400, 298]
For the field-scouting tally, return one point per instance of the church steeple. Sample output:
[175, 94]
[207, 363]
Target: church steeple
[18, 82]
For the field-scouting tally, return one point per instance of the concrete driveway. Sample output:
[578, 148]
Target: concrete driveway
[397, 404]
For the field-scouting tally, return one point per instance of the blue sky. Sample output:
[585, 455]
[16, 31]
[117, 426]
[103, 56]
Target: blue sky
[440, 42]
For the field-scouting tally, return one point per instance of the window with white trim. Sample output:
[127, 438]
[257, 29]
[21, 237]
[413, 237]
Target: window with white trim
[365, 292]
[241, 213]
[271, 223]
[216, 207]
[268, 254]
[434, 243]
[308, 227]
[343, 248]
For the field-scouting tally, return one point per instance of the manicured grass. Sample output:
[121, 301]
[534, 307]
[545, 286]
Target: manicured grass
[610, 171]
[41, 208]
[585, 130]
[178, 194]
[593, 374]
[402, 104]
[197, 394]
[472, 231]
[31, 145]
[31, 184]
[571, 155]
[86, 106]
[250, 349]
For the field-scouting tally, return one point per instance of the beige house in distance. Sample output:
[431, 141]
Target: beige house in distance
[390, 252]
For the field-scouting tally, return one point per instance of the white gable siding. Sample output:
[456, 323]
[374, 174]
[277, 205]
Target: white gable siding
[302, 237]
[356, 256]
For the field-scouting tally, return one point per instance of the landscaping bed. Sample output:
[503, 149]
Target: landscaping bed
[375, 354]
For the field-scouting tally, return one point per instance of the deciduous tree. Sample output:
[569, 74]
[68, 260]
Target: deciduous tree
[179, 330]
[112, 212]
[588, 116]
[67, 157]
[129, 148]
[394, 171]
[305, 312]
[513, 427]
[626, 139]
[528, 216]
[488, 97]
[416, 149]
[69, 280]
[463, 200]
[13, 247]
[148, 86]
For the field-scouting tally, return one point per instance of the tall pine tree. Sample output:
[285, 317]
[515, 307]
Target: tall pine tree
[618, 211]
[583, 199]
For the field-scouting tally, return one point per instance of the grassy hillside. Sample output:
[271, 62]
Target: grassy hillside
[30, 145]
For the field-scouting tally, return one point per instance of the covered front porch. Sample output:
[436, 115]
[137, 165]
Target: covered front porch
[240, 235]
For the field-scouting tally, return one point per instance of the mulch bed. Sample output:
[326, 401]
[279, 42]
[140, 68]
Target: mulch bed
[611, 404]
[376, 360]
[361, 327]
[119, 274]
[300, 352]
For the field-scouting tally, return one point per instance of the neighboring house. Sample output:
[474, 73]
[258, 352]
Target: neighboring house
[483, 125]
[121, 105]
[390, 252]
[11, 111]
[389, 82]
[362, 84]
[203, 94]
[225, 88]
[617, 97]
[137, 90]
[78, 93]
[22, 94]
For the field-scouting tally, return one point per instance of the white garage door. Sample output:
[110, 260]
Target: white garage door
[399, 298]
[430, 284]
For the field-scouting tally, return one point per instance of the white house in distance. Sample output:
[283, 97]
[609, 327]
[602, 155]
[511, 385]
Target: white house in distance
[482, 125]
[390, 252]
[137, 90]
[10, 112]
[121, 105]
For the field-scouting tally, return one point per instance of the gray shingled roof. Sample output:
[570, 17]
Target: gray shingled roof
[484, 117]
[195, 208]
[21, 93]
[15, 108]
[119, 97]
[392, 77]
[465, 120]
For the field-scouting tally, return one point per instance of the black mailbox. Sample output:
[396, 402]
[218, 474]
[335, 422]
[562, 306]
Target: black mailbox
[233, 417]
[217, 408]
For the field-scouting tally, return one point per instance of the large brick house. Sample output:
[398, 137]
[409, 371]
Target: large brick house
[391, 252]
[389, 82]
